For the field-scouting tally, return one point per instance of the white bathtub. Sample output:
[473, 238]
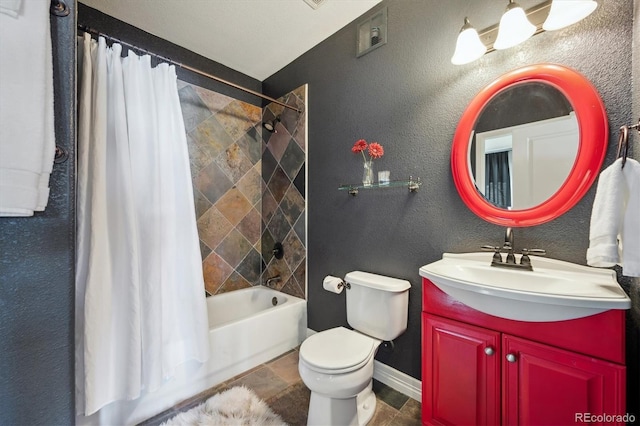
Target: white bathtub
[245, 330]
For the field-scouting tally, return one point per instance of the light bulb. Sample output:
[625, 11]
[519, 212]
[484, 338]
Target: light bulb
[567, 12]
[514, 27]
[468, 46]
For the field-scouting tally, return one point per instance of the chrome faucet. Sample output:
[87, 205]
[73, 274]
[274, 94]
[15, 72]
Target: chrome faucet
[508, 246]
[508, 236]
[510, 260]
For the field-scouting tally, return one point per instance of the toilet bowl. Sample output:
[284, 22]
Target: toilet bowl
[337, 366]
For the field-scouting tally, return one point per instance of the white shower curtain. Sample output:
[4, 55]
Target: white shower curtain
[140, 305]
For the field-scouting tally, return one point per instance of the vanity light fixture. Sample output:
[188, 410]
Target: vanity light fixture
[514, 27]
[546, 16]
[468, 47]
[567, 12]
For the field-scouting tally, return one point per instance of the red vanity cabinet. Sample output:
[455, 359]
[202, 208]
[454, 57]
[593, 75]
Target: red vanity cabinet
[478, 369]
[544, 385]
[460, 373]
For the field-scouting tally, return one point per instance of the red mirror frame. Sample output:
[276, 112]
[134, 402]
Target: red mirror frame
[593, 132]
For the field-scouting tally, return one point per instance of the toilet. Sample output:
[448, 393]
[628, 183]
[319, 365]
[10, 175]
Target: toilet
[337, 364]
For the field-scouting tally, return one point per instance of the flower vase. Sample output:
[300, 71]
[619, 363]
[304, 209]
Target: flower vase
[367, 175]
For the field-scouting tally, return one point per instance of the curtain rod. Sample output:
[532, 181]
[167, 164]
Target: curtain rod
[186, 67]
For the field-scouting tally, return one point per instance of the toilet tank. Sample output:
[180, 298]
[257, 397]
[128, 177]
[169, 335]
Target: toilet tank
[377, 305]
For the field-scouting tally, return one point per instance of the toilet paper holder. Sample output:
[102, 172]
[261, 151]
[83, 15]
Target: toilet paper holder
[344, 284]
[335, 284]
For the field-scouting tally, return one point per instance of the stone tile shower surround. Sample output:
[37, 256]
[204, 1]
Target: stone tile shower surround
[283, 194]
[227, 149]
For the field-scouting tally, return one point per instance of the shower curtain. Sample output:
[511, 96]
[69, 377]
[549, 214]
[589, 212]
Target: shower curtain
[140, 305]
[498, 179]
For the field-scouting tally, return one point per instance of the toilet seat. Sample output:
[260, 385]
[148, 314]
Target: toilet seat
[337, 351]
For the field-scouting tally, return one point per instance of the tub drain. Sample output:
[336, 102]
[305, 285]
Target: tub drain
[274, 301]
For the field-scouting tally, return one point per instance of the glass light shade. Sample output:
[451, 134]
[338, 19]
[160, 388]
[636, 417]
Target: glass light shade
[468, 47]
[567, 12]
[514, 28]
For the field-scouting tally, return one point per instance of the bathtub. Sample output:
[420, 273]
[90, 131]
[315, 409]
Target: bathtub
[246, 328]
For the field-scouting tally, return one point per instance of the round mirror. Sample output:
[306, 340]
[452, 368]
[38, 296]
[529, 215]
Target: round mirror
[529, 145]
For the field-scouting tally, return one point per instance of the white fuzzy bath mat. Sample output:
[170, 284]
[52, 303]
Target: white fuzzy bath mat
[236, 406]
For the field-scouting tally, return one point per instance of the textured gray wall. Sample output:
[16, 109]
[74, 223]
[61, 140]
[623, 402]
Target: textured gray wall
[407, 96]
[37, 275]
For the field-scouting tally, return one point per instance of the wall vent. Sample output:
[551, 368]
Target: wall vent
[314, 4]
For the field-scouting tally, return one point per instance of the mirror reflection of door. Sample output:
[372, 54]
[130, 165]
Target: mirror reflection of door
[535, 158]
[524, 146]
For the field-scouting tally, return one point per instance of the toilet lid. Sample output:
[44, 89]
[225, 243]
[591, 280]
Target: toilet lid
[337, 349]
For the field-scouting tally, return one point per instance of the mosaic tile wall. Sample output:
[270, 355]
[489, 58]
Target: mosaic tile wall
[283, 194]
[234, 165]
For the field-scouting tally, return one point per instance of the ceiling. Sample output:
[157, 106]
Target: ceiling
[254, 37]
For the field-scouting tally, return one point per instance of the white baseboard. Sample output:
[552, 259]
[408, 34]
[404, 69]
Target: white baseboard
[393, 378]
[397, 380]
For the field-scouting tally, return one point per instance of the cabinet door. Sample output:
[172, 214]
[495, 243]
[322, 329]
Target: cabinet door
[543, 385]
[461, 367]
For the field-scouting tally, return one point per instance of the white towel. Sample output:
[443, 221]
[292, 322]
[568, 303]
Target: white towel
[614, 236]
[10, 7]
[631, 223]
[27, 139]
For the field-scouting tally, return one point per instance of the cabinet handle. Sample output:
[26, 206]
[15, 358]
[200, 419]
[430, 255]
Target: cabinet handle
[511, 358]
[489, 350]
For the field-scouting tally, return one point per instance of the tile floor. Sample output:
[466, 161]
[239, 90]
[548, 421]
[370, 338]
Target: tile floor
[278, 383]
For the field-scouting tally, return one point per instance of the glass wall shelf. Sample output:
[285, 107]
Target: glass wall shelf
[413, 184]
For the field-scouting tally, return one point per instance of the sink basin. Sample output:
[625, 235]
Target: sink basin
[553, 291]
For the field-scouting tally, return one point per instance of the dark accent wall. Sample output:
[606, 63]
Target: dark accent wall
[408, 96]
[37, 275]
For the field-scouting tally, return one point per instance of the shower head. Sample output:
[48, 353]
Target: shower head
[270, 125]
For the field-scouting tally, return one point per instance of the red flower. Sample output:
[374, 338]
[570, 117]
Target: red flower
[375, 150]
[359, 146]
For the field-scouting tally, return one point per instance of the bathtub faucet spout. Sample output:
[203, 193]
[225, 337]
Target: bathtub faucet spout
[271, 281]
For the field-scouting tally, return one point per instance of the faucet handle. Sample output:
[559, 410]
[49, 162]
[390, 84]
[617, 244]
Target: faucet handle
[497, 257]
[525, 260]
[511, 258]
[537, 252]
